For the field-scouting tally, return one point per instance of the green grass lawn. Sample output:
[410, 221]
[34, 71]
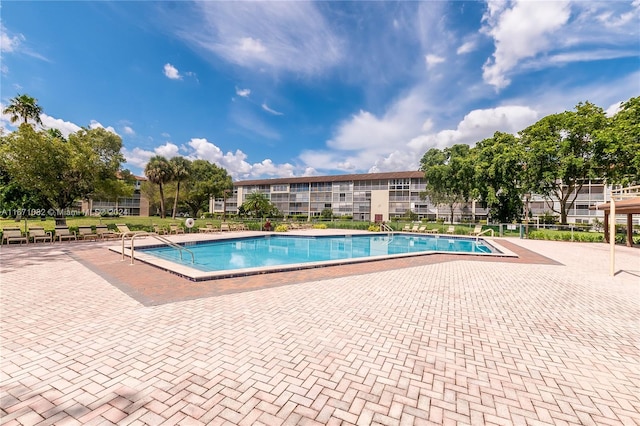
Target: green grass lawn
[134, 222]
[146, 223]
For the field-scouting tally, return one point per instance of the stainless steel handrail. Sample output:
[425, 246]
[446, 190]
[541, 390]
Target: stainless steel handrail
[168, 242]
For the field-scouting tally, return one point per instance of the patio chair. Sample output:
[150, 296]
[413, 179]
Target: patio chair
[208, 228]
[159, 229]
[86, 233]
[37, 233]
[224, 226]
[63, 233]
[451, 230]
[407, 228]
[13, 235]
[175, 229]
[422, 229]
[124, 231]
[105, 233]
[476, 231]
[415, 228]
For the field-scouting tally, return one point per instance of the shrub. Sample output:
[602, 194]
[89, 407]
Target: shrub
[281, 228]
[585, 237]
[374, 228]
[319, 226]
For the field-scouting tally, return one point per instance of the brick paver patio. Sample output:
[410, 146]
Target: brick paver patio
[435, 342]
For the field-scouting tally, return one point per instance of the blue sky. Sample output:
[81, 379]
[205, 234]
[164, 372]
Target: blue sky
[273, 89]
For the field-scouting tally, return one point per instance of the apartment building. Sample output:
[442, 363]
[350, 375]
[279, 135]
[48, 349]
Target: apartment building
[135, 205]
[383, 196]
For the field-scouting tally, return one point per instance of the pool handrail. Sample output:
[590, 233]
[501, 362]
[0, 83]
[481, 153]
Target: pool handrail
[484, 232]
[160, 238]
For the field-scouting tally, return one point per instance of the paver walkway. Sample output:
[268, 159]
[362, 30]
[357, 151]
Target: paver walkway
[462, 341]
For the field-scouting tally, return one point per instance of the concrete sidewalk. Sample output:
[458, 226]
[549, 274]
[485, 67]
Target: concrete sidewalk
[459, 342]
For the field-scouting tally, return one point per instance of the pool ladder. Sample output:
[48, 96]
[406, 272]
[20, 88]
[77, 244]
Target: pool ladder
[389, 230]
[160, 238]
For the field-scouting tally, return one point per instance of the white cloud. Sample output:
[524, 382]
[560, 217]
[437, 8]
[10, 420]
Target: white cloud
[251, 46]
[236, 162]
[94, 124]
[269, 110]
[168, 150]
[433, 60]
[65, 127]
[466, 47]
[397, 140]
[128, 130]
[139, 157]
[243, 92]
[364, 130]
[9, 43]
[477, 125]
[171, 72]
[613, 109]
[520, 29]
[271, 35]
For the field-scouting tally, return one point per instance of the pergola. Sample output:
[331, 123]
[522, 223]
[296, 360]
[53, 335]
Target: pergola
[629, 206]
[623, 201]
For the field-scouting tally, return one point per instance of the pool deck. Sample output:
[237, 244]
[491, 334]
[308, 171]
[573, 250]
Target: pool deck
[545, 338]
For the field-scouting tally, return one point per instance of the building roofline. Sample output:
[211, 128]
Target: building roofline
[332, 178]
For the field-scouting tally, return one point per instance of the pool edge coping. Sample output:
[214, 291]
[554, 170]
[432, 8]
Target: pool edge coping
[193, 274]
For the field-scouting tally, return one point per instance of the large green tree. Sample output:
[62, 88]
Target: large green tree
[498, 167]
[25, 108]
[206, 180]
[62, 171]
[618, 145]
[180, 169]
[158, 171]
[449, 174]
[559, 154]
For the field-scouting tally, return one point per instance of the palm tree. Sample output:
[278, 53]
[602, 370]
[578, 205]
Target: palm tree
[258, 203]
[24, 107]
[158, 171]
[180, 170]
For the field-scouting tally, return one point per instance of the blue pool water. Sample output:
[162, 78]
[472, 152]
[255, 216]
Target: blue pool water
[272, 250]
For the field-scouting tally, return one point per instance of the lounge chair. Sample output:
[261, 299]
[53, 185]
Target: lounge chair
[124, 231]
[105, 233]
[224, 226]
[159, 229]
[407, 228]
[432, 231]
[13, 235]
[422, 229]
[476, 231]
[86, 233]
[415, 228]
[37, 233]
[63, 233]
[175, 229]
[208, 228]
[451, 230]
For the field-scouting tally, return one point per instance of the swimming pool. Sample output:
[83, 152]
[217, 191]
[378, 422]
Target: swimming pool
[272, 253]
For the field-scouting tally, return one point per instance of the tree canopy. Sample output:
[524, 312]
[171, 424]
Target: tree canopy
[25, 108]
[498, 168]
[553, 158]
[449, 175]
[60, 171]
[559, 154]
[206, 180]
